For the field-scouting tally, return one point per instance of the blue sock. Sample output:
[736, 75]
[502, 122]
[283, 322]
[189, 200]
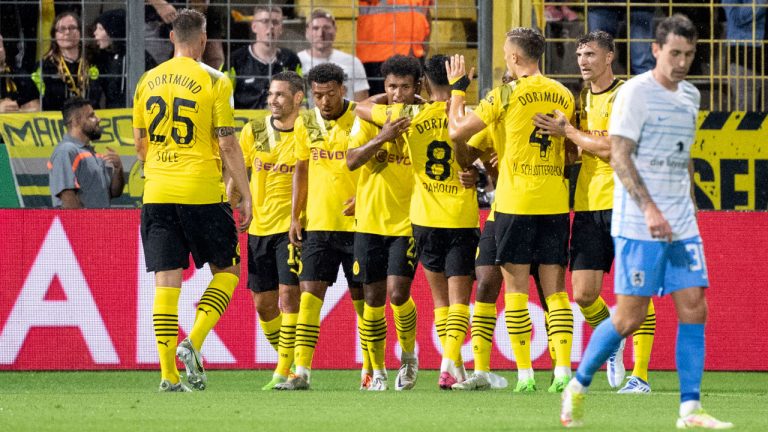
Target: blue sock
[604, 341]
[689, 358]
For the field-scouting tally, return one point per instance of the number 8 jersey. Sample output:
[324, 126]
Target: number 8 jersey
[531, 166]
[180, 103]
[439, 200]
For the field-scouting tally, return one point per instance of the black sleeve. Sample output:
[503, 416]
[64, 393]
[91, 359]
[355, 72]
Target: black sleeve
[26, 90]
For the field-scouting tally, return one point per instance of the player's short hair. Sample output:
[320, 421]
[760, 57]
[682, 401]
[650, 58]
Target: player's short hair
[188, 24]
[326, 72]
[435, 71]
[71, 107]
[321, 13]
[294, 80]
[400, 65]
[678, 24]
[267, 8]
[531, 41]
[603, 39]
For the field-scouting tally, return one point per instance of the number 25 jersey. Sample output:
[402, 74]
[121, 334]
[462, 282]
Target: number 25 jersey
[531, 165]
[180, 103]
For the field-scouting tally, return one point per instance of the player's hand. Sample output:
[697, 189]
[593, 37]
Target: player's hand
[391, 130]
[349, 207]
[167, 12]
[233, 193]
[658, 225]
[294, 233]
[469, 177]
[8, 105]
[113, 158]
[551, 124]
[456, 70]
[494, 160]
[245, 210]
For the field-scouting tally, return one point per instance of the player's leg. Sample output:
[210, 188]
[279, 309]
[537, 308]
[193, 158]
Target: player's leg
[166, 254]
[401, 266]
[543, 301]
[686, 279]
[263, 283]
[642, 341]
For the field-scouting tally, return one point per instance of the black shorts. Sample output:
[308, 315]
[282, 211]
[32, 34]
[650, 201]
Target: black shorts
[378, 256]
[447, 250]
[321, 254]
[591, 242]
[486, 248]
[272, 261]
[170, 232]
[525, 239]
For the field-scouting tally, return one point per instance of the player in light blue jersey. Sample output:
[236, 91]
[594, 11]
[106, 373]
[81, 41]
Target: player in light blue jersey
[658, 248]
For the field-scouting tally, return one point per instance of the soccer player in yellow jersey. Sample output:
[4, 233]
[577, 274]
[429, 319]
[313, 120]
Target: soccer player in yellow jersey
[532, 213]
[443, 213]
[273, 262]
[385, 252]
[183, 126]
[325, 187]
[592, 249]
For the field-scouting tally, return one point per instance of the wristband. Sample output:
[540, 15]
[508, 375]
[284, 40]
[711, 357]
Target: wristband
[461, 84]
[458, 93]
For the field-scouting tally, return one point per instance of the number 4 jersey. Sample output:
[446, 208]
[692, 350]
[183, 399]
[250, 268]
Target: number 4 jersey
[179, 104]
[531, 166]
[439, 200]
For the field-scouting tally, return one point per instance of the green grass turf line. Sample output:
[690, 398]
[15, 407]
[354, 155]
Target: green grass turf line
[128, 401]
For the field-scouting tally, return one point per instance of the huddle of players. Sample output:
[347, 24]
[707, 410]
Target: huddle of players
[378, 185]
[371, 187]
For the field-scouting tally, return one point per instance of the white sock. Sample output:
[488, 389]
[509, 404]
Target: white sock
[446, 365]
[482, 373]
[524, 374]
[688, 407]
[303, 371]
[575, 386]
[380, 374]
[562, 371]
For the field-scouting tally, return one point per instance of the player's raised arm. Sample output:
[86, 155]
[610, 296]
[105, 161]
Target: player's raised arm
[461, 126]
[391, 130]
[364, 109]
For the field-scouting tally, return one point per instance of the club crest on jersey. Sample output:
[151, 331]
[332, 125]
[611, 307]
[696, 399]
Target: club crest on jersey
[638, 278]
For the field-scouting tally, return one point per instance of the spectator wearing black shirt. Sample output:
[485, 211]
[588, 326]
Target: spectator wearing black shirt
[17, 91]
[109, 58]
[252, 66]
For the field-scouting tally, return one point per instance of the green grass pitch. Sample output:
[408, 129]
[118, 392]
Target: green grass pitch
[128, 401]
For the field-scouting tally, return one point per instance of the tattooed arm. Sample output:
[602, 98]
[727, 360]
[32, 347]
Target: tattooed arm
[232, 156]
[622, 164]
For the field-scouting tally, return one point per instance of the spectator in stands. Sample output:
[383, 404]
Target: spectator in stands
[554, 13]
[215, 12]
[321, 33]
[389, 27]
[745, 31]
[17, 92]
[65, 72]
[608, 18]
[80, 177]
[109, 58]
[158, 15]
[252, 66]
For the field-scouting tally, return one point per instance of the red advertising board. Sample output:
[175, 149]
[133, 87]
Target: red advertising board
[75, 295]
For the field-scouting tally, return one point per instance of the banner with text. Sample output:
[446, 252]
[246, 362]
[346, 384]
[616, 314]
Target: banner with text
[74, 283]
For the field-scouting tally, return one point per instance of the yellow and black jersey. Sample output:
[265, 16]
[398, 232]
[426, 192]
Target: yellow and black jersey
[531, 166]
[269, 153]
[180, 103]
[324, 144]
[594, 188]
[385, 184]
[439, 200]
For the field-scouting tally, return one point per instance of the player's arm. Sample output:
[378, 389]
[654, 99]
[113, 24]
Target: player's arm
[621, 161]
[117, 182]
[461, 126]
[364, 109]
[391, 130]
[298, 200]
[232, 156]
[557, 124]
[691, 172]
[69, 199]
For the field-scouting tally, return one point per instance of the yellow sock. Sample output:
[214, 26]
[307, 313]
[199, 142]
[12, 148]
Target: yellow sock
[441, 316]
[286, 344]
[359, 306]
[642, 340]
[405, 323]
[519, 327]
[596, 313]
[456, 331]
[212, 305]
[165, 318]
[561, 326]
[483, 324]
[550, 344]
[272, 330]
[307, 329]
[375, 333]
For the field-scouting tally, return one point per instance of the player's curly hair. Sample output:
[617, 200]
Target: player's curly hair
[603, 39]
[435, 70]
[400, 65]
[326, 72]
[295, 83]
[530, 40]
